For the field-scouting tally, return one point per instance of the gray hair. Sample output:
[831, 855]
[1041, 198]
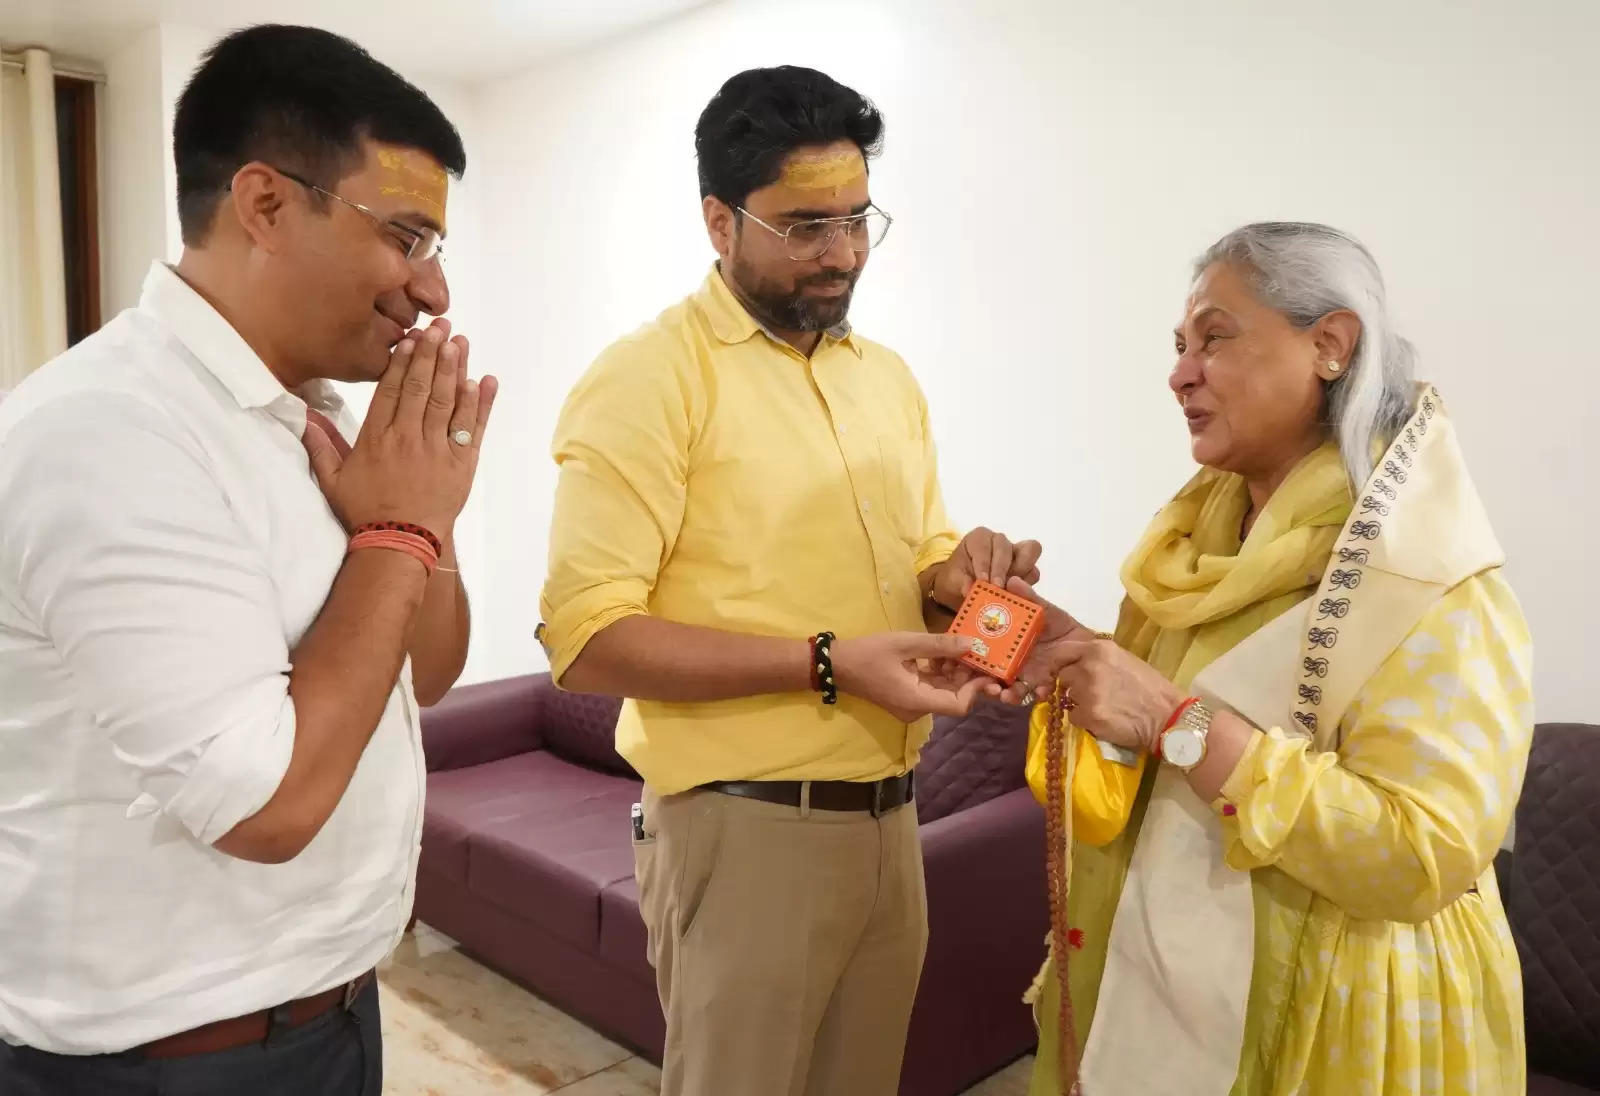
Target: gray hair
[1306, 271]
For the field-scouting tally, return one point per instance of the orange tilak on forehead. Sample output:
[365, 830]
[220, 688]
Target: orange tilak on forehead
[413, 176]
[824, 171]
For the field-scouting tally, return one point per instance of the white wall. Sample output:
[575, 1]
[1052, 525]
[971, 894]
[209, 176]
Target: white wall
[138, 179]
[133, 144]
[1053, 167]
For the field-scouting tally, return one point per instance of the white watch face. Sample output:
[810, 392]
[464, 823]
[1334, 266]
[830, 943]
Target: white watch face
[1183, 747]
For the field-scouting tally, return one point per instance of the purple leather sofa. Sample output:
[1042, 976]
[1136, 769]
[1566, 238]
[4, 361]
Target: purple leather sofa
[526, 860]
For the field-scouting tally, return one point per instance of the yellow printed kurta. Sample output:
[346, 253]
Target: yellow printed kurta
[1383, 961]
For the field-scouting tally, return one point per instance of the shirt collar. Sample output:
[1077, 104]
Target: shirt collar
[732, 323]
[218, 346]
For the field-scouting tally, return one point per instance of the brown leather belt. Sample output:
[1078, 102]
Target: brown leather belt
[876, 797]
[255, 1027]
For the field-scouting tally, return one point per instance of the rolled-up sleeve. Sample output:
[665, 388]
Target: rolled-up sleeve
[622, 449]
[124, 550]
[1408, 814]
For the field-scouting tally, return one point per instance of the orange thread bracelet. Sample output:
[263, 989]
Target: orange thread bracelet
[402, 527]
[411, 544]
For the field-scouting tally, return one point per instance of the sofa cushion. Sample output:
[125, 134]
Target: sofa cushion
[971, 759]
[1554, 901]
[461, 802]
[582, 728]
[559, 839]
[624, 943]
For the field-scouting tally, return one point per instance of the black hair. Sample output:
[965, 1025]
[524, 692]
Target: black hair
[301, 99]
[762, 115]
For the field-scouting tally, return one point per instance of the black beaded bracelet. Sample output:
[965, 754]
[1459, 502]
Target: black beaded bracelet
[822, 667]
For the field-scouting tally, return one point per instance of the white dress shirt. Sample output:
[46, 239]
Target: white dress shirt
[163, 548]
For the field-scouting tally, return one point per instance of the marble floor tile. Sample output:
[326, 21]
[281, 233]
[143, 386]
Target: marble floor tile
[452, 1027]
[430, 941]
[1011, 1081]
[634, 1077]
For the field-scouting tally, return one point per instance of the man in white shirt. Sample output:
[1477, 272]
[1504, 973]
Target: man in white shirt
[211, 775]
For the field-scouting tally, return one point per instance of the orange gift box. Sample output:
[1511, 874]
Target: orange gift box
[1004, 627]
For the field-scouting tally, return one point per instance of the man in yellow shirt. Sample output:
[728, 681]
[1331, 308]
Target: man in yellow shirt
[742, 481]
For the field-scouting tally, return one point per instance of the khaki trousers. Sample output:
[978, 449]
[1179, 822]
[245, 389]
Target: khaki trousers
[787, 944]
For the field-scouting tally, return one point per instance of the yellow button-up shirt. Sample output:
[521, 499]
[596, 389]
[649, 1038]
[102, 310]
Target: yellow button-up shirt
[712, 475]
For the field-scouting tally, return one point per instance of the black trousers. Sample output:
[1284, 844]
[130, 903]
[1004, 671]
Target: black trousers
[340, 1053]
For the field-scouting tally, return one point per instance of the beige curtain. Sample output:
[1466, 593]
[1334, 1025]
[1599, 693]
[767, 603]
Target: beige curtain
[33, 281]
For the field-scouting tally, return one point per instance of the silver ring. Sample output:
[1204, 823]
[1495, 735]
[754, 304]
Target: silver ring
[462, 438]
[1027, 690]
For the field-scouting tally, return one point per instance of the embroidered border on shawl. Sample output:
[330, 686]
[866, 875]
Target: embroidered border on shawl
[1383, 492]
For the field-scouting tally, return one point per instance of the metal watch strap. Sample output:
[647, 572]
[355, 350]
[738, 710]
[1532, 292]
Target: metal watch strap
[1196, 718]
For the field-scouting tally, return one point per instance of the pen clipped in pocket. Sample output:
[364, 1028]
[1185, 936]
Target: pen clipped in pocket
[636, 828]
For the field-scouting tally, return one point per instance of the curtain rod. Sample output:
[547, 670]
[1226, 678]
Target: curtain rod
[14, 60]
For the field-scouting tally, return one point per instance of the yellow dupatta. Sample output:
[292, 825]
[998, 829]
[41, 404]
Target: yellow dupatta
[1194, 592]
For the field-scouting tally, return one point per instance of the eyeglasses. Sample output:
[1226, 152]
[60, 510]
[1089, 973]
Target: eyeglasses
[419, 244]
[807, 240]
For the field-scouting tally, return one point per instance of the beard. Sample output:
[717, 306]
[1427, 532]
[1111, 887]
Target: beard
[790, 309]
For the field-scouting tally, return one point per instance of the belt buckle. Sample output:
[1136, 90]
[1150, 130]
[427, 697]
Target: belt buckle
[352, 990]
[877, 799]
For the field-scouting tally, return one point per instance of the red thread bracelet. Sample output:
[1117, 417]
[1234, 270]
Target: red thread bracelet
[1187, 703]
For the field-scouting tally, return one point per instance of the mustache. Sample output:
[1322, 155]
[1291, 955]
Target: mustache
[828, 280]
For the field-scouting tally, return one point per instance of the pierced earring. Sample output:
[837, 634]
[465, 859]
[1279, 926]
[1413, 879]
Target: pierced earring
[1334, 367]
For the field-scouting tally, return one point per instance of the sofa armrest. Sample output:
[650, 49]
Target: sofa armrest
[476, 724]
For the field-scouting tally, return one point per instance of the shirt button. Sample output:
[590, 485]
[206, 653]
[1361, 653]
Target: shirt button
[843, 429]
[866, 507]
[886, 587]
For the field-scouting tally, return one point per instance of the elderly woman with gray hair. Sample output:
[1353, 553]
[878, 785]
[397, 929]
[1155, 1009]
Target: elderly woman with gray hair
[1289, 771]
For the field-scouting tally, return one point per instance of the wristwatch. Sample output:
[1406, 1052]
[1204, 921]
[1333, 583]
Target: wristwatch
[1184, 744]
